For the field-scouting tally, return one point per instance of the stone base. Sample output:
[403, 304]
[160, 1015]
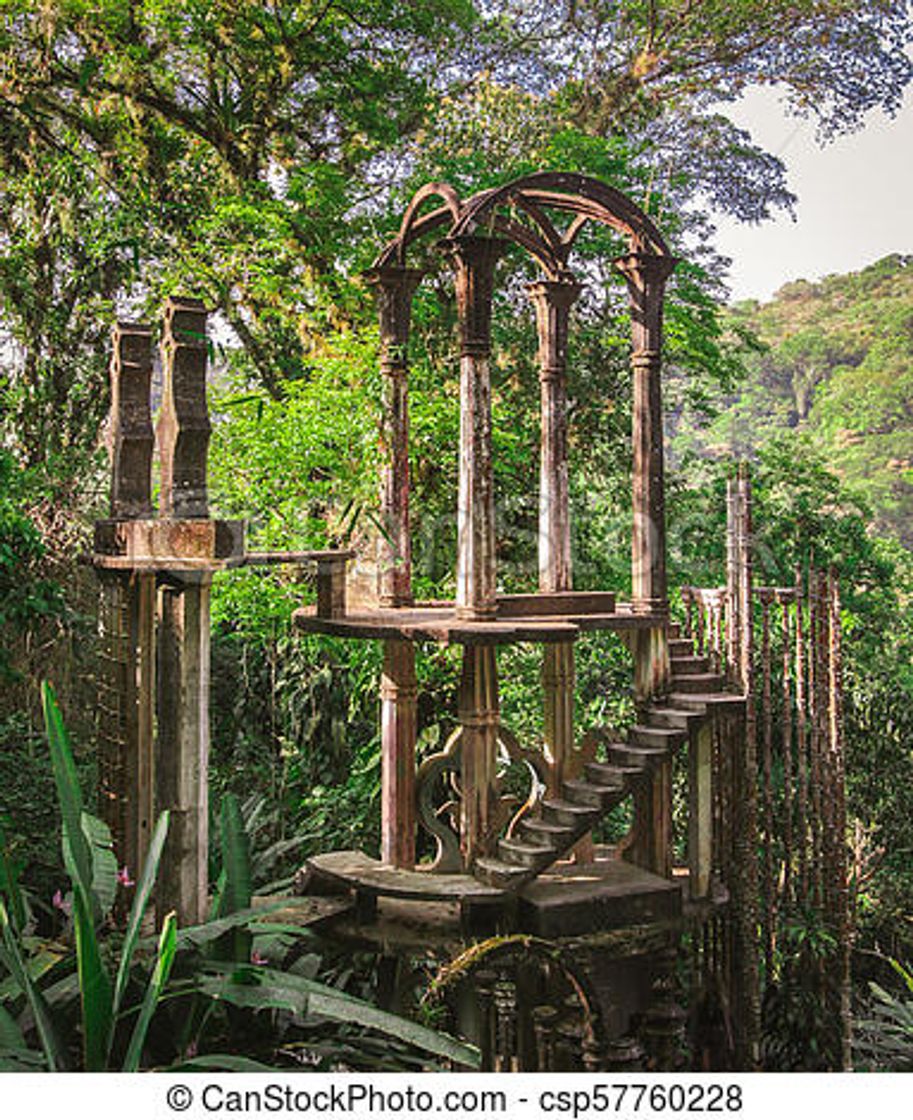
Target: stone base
[586, 898]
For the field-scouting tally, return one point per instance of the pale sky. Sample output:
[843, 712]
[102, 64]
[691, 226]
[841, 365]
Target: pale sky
[855, 199]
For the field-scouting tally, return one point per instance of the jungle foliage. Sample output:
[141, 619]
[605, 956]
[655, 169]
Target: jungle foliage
[166, 1001]
[258, 156]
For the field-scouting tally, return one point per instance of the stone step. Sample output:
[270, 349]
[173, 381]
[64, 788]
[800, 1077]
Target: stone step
[670, 737]
[607, 774]
[525, 854]
[536, 830]
[497, 873]
[681, 647]
[600, 797]
[673, 630]
[665, 716]
[688, 666]
[580, 817]
[699, 702]
[636, 758]
[697, 682]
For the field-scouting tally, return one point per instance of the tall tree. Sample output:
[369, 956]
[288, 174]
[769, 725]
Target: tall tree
[245, 149]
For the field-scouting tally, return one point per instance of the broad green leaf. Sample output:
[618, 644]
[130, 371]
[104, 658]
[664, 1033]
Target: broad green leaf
[94, 985]
[236, 864]
[12, 960]
[40, 960]
[9, 887]
[10, 1034]
[195, 936]
[138, 909]
[104, 861]
[77, 856]
[905, 974]
[21, 1060]
[218, 896]
[158, 980]
[324, 1000]
[254, 993]
[63, 991]
[232, 1062]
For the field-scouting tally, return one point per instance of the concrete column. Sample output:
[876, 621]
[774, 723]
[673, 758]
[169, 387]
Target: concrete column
[394, 287]
[183, 744]
[553, 300]
[652, 844]
[700, 810]
[182, 694]
[398, 693]
[479, 718]
[646, 275]
[474, 261]
[127, 611]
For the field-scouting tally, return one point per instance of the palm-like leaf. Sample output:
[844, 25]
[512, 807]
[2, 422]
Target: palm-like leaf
[94, 985]
[137, 911]
[166, 951]
[236, 895]
[104, 862]
[9, 888]
[264, 987]
[10, 1034]
[54, 1053]
[76, 853]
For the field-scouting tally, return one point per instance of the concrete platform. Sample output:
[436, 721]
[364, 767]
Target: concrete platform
[568, 901]
[586, 898]
[356, 871]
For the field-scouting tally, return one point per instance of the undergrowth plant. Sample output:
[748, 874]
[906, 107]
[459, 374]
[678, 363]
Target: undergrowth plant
[90, 862]
[243, 982]
[884, 1036]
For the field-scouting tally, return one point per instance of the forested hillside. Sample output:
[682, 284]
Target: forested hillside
[257, 157]
[835, 362]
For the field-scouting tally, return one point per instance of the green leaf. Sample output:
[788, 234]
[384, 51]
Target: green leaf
[236, 895]
[254, 993]
[9, 887]
[166, 953]
[231, 1062]
[89, 67]
[218, 895]
[76, 854]
[10, 1034]
[193, 937]
[138, 909]
[905, 974]
[21, 1060]
[104, 861]
[12, 959]
[235, 857]
[94, 985]
[321, 999]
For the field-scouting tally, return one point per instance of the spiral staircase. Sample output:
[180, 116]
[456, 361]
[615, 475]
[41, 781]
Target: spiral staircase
[542, 838]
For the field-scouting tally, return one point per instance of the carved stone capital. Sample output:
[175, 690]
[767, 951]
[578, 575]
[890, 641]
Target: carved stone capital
[553, 300]
[474, 260]
[643, 269]
[394, 287]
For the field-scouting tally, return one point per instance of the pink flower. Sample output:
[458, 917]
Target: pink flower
[255, 958]
[123, 877]
[60, 903]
